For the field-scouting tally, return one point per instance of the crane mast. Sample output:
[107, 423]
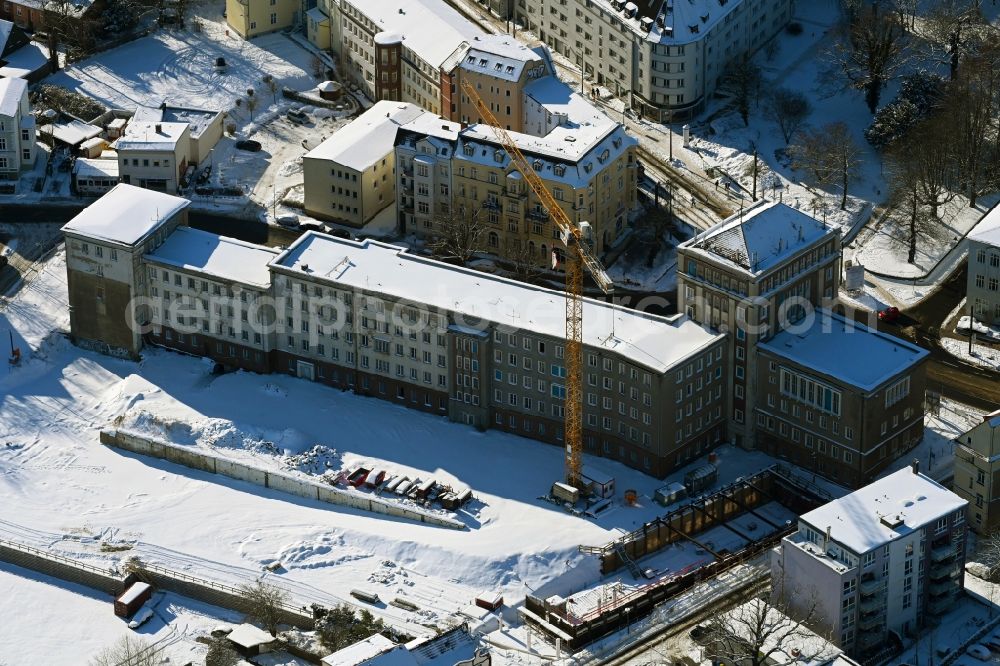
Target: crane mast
[578, 258]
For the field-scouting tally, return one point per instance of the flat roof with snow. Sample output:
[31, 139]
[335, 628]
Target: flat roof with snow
[759, 239]
[845, 350]
[657, 343]
[215, 255]
[987, 230]
[431, 29]
[360, 652]
[141, 135]
[908, 499]
[126, 214]
[95, 168]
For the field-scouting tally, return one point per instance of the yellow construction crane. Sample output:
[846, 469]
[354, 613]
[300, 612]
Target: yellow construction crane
[578, 257]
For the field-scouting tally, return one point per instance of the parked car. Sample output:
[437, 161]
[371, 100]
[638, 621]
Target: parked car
[297, 116]
[248, 144]
[888, 315]
[204, 190]
[980, 652]
[311, 226]
[290, 220]
[340, 233]
[204, 175]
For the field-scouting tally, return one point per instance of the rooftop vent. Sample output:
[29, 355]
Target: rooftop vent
[159, 128]
[892, 522]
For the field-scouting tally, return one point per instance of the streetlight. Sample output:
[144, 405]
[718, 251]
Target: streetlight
[628, 620]
[274, 201]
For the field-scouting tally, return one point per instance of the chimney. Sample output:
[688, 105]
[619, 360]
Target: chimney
[826, 541]
[159, 128]
[915, 466]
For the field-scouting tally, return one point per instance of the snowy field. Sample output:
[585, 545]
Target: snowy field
[51, 621]
[178, 67]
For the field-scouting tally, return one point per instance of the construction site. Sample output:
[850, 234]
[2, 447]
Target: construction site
[667, 556]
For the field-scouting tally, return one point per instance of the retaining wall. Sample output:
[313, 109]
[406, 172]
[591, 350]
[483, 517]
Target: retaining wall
[61, 567]
[206, 461]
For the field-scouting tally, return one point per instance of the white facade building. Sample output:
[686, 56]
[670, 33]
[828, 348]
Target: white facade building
[665, 56]
[17, 129]
[884, 559]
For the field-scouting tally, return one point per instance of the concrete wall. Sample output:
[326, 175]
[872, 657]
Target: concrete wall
[60, 567]
[207, 462]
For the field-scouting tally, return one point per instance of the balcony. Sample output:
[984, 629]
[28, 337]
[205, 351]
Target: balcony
[940, 605]
[941, 588]
[868, 640]
[871, 623]
[870, 605]
[942, 553]
[942, 571]
[871, 586]
[538, 214]
[492, 204]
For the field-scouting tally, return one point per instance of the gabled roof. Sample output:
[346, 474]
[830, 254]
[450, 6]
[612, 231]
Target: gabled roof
[11, 92]
[760, 238]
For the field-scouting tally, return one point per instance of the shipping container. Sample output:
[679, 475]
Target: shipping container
[701, 479]
[425, 488]
[367, 597]
[565, 492]
[132, 599]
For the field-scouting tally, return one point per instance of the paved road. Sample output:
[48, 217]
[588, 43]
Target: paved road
[966, 383]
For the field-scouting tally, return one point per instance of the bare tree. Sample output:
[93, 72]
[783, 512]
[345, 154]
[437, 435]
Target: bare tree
[522, 258]
[129, 650]
[758, 633]
[263, 603]
[458, 235]
[221, 653]
[272, 86]
[872, 53]
[989, 554]
[252, 104]
[973, 104]
[65, 26]
[904, 198]
[741, 81]
[954, 25]
[789, 109]
[934, 163]
[829, 155]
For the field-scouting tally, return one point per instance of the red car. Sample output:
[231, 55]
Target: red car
[889, 315]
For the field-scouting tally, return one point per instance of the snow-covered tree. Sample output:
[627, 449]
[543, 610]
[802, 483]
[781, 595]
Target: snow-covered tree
[789, 109]
[873, 51]
[829, 156]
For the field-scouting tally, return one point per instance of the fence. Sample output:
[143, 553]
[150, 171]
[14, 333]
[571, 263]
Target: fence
[207, 462]
[64, 568]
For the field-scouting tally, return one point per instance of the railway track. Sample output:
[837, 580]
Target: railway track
[692, 202]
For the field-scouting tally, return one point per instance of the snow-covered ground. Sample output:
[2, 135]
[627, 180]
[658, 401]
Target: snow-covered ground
[985, 356]
[177, 66]
[51, 621]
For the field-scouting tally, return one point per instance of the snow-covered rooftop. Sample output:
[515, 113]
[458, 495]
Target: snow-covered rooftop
[684, 21]
[759, 239]
[11, 92]
[72, 133]
[197, 119]
[906, 499]
[222, 257]
[100, 168]
[249, 636]
[657, 343]
[431, 29]
[372, 135]
[360, 652]
[6, 27]
[126, 214]
[987, 230]
[500, 56]
[142, 135]
[844, 350]
[24, 61]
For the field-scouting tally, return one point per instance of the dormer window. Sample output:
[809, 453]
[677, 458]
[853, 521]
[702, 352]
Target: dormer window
[482, 62]
[498, 156]
[559, 169]
[537, 165]
[468, 149]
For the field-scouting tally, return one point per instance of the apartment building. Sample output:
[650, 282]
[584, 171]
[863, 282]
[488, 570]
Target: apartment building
[105, 273]
[838, 398]
[250, 18]
[17, 129]
[983, 281]
[977, 473]
[488, 351]
[433, 172]
[154, 155]
[500, 68]
[884, 560]
[370, 317]
[589, 170]
[351, 177]
[665, 57]
[396, 51]
[749, 275]
[205, 126]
